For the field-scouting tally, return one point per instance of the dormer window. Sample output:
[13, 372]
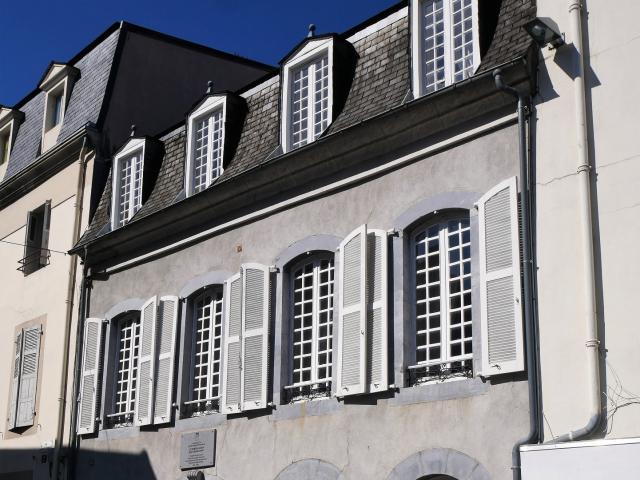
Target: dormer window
[315, 81]
[205, 144]
[213, 132]
[307, 96]
[128, 167]
[445, 43]
[56, 84]
[309, 101]
[9, 122]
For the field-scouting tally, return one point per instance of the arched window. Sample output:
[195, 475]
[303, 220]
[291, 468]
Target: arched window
[441, 303]
[311, 302]
[206, 345]
[127, 345]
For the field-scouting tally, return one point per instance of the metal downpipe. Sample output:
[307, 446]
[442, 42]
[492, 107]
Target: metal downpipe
[530, 330]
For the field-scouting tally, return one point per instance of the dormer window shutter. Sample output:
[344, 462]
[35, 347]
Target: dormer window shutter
[500, 283]
[90, 376]
[146, 363]
[232, 367]
[352, 317]
[167, 329]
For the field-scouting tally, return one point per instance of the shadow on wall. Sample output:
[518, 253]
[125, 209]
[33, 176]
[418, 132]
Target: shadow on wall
[37, 464]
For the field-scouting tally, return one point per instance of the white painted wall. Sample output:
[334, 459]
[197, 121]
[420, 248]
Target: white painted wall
[612, 39]
[40, 296]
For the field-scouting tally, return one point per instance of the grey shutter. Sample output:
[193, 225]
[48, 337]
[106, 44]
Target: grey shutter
[44, 243]
[28, 376]
[167, 326]
[501, 308]
[232, 373]
[352, 314]
[90, 371]
[377, 304]
[146, 363]
[255, 336]
[15, 380]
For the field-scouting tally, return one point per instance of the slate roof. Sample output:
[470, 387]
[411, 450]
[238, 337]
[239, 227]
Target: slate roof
[84, 105]
[381, 83]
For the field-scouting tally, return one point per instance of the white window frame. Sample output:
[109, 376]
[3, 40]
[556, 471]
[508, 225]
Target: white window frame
[444, 307]
[314, 381]
[417, 38]
[125, 417]
[206, 109]
[135, 146]
[312, 50]
[6, 144]
[210, 402]
[51, 130]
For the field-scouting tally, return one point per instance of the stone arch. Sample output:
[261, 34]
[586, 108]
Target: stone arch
[310, 469]
[439, 461]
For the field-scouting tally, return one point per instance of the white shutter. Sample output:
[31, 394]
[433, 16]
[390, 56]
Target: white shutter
[28, 376]
[501, 308]
[90, 370]
[233, 325]
[15, 380]
[377, 301]
[352, 314]
[46, 225]
[146, 363]
[255, 336]
[167, 327]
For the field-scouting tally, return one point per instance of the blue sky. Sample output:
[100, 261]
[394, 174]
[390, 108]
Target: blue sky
[35, 32]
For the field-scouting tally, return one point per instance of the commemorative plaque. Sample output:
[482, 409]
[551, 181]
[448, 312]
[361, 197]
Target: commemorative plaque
[198, 450]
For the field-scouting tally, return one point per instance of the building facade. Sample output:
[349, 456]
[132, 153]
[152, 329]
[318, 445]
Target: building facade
[54, 145]
[324, 281]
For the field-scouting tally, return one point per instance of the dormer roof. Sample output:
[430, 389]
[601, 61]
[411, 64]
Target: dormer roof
[55, 72]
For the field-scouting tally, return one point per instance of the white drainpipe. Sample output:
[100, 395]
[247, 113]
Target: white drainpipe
[592, 342]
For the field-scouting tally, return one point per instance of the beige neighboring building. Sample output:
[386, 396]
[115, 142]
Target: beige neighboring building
[52, 146]
[589, 326]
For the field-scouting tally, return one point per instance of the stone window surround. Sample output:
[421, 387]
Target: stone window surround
[109, 357]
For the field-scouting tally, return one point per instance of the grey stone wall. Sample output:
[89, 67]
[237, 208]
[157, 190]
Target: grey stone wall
[367, 437]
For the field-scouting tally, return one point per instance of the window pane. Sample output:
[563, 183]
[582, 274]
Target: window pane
[442, 308]
[128, 355]
[207, 331]
[312, 308]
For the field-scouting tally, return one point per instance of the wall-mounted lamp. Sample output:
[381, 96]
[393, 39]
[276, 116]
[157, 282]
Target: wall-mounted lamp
[544, 31]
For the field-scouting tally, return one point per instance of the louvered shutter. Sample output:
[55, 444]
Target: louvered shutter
[46, 224]
[15, 380]
[352, 315]
[501, 308]
[377, 302]
[232, 347]
[90, 371]
[28, 377]
[167, 327]
[146, 363]
[255, 336]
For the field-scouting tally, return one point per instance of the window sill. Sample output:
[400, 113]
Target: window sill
[307, 408]
[199, 422]
[438, 391]
[118, 432]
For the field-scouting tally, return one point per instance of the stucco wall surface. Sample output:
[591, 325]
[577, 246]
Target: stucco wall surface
[611, 36]
[363, 438]
[38, 298]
